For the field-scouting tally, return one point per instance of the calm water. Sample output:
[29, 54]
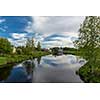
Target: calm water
[47, 69]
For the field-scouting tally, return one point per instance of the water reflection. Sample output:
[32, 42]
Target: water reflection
[58, 69]
[17, 75]
[44, 69]
[38, 60]
[21, 73]
[5, 71]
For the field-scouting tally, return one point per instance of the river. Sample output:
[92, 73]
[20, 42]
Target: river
[47, 69]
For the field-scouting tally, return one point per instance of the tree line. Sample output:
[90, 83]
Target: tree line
[7, 48]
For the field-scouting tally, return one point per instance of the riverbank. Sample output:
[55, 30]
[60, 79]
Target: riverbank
[73, 52]
[11, 59]
[87, 75]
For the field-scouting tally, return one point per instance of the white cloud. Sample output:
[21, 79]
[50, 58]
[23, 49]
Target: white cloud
[2, 20]
[63, 25]
[1, 28]
[18, 36]
[58, 42]
[20, 42]
[63, 39]
[43, 27]
[29, 28]
[52, 24]
[18, 39]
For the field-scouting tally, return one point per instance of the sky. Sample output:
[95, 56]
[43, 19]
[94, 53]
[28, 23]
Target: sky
[51, 31]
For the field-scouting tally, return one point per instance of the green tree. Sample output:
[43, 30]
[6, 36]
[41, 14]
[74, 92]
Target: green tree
[89, 39]
[5, 46]
[19, 50]
[30, 42]
[30, 45]
[39, 46]
[55, 50]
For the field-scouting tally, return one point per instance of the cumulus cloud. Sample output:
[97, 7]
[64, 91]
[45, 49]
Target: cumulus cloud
[2, 28]
[60, 40]
[18, 39]
[19, 42]
[65, 26]
[2, 20]
[29, 28]
[51, 31]
[52, 24]
[18, 36]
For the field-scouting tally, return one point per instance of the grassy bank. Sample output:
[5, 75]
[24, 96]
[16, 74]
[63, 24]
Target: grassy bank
[10, 59]
[3, 60]
[90, 72]
[89, 76]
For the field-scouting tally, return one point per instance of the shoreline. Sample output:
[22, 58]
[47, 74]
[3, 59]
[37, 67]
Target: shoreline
[13, 59]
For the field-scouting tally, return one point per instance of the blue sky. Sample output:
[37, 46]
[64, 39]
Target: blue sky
[49, 30]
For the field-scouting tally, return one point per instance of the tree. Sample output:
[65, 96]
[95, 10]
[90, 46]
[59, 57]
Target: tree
[39, 46]
[5, 46]
[55, 50]
[30, 42]
[19, 50]
[30, 45]
[89, 39]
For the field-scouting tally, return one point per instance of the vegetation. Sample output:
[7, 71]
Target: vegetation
[67, 50]
[30, 45]
[89, 45]
[38, 46]
[87, 76]
[5, 46]
[55, 50]
[22, 52]
[3, 60]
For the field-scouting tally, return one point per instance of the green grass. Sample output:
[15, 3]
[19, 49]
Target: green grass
[89, 76]
[5, 59]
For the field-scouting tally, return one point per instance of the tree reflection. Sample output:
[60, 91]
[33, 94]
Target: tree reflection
[38, 60]
[17, 74]
[5, 71]
[29, 66]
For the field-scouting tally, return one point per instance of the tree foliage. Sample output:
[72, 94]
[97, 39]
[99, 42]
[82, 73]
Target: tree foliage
[89, 32]
[39, 46]
[89, 38]
[5, 46]
[29, 45]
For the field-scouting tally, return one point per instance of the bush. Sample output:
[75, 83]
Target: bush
[87, 76]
